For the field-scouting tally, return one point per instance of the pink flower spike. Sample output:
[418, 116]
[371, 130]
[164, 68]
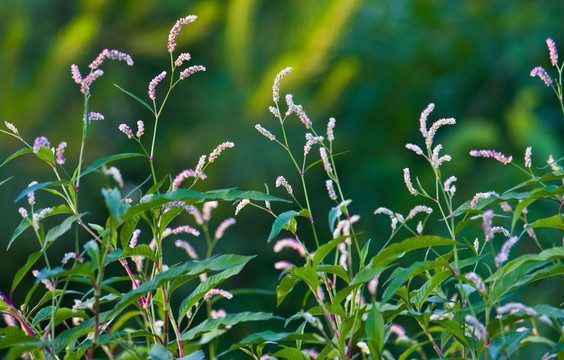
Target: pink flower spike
[416, 149]
[223, 226]
[492, 154]
[503, 255]
[280, 265]
[540, 72]
[330, 127]
[207, 208]
[126, 130]
[265, 132]
[553, 52]
[191, 70]
[182, 58]
[528, 153]
[140, 128]
[87, 82]
[479, 328]
[418, 209]
[476, 281]
[214, 154]
[181, 177]
[59, 153]
[281, 181]
[487, 224]
[39, 142]
[433, 130]
[221, 292]
[407, 180]
[154, 83]
[289, 243]
[134, 238]
[187, 247]
[325, 159]
[76, 74]
[423, 119]
[330, 189]
[112, 55]
[277, 81]
[448, 187]
[94, 116]
[479, 196]
[176, 29]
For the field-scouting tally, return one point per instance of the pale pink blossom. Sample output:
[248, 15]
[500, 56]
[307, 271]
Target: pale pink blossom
[479, 329]
[330, 127]
[492, 154]
[436, 125]
[418, 209]
[153, 84]
[75, 72]
[124, 128]
[39, 142]
[479, 196]
[182, 58]
[330, 189]
[134, 238]
[414, 148]
[187, 247]
[265, 132]
[87, 82]
[191, 70]
[289, 243]
[223, 226]
[487, 217]
[311, 140]
[140, 128]
[423, 119]
[207, 208]
[476, 281]
[448, 187]
[31, 194]
[281, 181]
[277, 81]
[540, 72]
[552, 51]
[407, 180]
[114, 173]
[221, 292]
[325, 159]
[528, 154]
[94, 116]
[280, 265]
[11, 127]
[503, 255]
[112, 55]
[241, 204]
[185, 229]
[59, 153]
[176, 29]
[214, 154]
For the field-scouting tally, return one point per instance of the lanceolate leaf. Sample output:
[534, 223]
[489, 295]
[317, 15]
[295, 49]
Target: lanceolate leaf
[555, 222]
[228, 320]
[40, 186]
[269, 336]
[22, 271]
[24, 224]
[397, 250]
[375, 331]
[545, 193]
[141, 101]
[16, 154]
[57, 231]
[281, 221]
[108, 159]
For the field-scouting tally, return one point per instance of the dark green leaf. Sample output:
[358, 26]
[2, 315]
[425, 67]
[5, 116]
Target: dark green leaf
[228, 320]
[281, 221]
[397, 250]
[290, 354]
[375, 330]
[39, 186]
[16, 154]
[141, 101]
[57, 231]
[22, 271]
[108, 159]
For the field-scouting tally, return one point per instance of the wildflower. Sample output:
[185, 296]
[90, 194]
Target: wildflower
[39, 216]
[153, 84]
[414, 148]
[39, 142]
[487, 224]
[176, 29]
[222, 227]
[187, 247]
[279, 265]
[330, 127]
[505, 206]
[325, 159]
[265, 132]
[214, 154]
[112, 55]
[217, 314]
[68, 256]
[191, 70]
[59, 153]
[185, 229]
[407, 180]
[181, 58]
[363, 347]
[114, 173]
[50, 285]
[241, 205]
[479, 196]
[274, 111]
[185, 174]
[501, 229]
[79, 305]
[140, 128]
[437, 161]
[399, 331]
[290, 102]
[418, 209]
[476, 281]
[552, 51]
[331, 189]
[221, 292]
[492, 153]
[383, 210]
[23, 212]
[476, 245]
[513, 307]
[302, 115]
[373, 284]
[423, 119]
[126, 130]
[31, 194]
[528, 157]
[281, 181]
[134, 238]
[277, 80]
[479, 328]
[311, 140]
[207, 208]
[436, 125]
[289, 243]
[94, 116]
[448, 187]
[419, 227]
[502, 256]
[540, 72]
[85, 88]
[75, 72]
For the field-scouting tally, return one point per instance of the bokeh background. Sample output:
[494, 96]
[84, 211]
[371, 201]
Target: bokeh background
[373, 65]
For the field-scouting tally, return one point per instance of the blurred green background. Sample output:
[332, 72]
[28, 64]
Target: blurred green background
[373, 65]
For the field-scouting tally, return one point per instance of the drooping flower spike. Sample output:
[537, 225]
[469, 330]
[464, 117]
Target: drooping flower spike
[176, 29]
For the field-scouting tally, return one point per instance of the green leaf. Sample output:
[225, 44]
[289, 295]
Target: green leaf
[16, 154]
[453, 327]
[401, 275]
[281, 221]
[397, 250]
[366, 275]
[108, 159]
[85, 270]
[24, 224]
[159, 352]
[127, 231]
[325, 249]
[426, 289]
[285, 287]
[338, 270]
[290, 354]
[269, 336]
[140, 250]
[219, 323]
[555, 222]
[307, 274]
[543, 193]
[46, 155]
[375, 331]
[141, 101]
[31, 260]
[114, 204]
[57, 231]
[40, 186]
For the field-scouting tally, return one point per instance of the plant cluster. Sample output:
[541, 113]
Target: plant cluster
[409, 294]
